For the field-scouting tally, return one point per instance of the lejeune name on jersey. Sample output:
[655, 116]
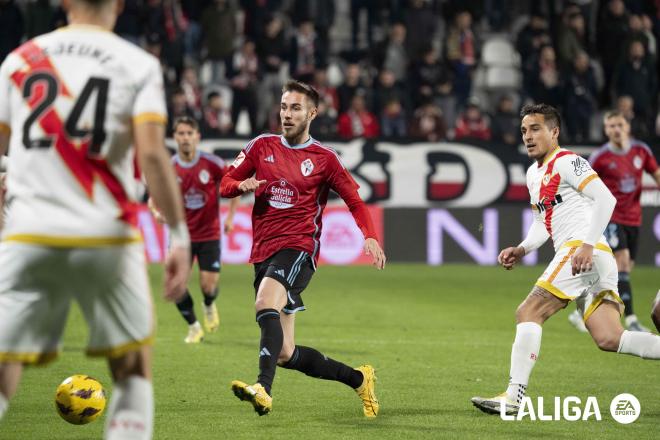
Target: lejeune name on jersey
[79, 49]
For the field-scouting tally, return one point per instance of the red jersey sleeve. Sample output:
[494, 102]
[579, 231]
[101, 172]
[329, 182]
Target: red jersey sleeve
[650, 164]
[343, 184]
[241, 169]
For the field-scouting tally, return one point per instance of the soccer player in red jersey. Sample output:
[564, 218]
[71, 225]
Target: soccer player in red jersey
[620, 163]
[291, 176]
[199, 176]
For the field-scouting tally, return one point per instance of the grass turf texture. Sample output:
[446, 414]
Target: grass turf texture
[436, 335]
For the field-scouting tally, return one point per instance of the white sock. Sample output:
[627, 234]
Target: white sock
[4, 404]
[642, 344]
[524, 353]
[131, 410]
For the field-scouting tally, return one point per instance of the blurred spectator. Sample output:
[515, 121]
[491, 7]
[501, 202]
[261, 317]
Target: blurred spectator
[244, 79]
[257, 14]
[39, 18]
[544, 85]
[353, 83]
[272, 50]
[581, 98]
[192, 90]
[306, 54]
[637, 32]
[319, 12]
[461, 47]
[217, 118]
[175, 25]
[218, 23]
[370, 7]
[428, 123]
[420, 23]
[327, 93]
[325, 123]
[431, 79]
[11, 27]
[130, 22]
[638, 127]
[637, 77]
[533, 36]
[647, 30]
[391, 54]
[572, 37]
[393, 120]
[612, 34]
[357, 121]
[472, 123]
[177, 107]
[387, 89]
[506, 122]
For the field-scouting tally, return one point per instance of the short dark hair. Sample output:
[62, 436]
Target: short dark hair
[550, 114]
[614, 114]
[185, 120]
[298, 86]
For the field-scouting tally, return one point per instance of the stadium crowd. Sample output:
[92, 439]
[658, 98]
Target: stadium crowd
[414, 69]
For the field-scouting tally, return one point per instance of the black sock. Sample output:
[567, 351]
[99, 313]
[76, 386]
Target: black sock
[186, 309]
[270, 346]
[625, 292]
[209, 297]
[314, 364]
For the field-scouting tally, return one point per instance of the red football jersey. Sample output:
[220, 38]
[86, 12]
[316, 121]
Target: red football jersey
[622, 173]
[287, 209]
[199, 181]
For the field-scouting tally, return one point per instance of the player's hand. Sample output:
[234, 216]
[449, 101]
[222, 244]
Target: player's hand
[250, 185]
[229, 225]
[177, 269]
[582, 260]
[510, 256]
[155, 212]
[371, 247]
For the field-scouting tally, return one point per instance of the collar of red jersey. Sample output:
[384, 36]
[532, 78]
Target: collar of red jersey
[306, 144]
[190, 164]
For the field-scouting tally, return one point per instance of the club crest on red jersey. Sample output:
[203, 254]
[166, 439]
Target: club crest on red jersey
[204, 177]
[306, 167]
[637, 162]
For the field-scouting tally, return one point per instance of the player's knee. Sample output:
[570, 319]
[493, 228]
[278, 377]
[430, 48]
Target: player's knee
[262, 303]
[285, 354]
[522, 313]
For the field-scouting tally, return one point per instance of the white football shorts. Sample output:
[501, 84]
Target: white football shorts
[38, 283]
[587, 289]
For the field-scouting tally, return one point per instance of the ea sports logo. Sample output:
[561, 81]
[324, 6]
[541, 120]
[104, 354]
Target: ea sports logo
[625, 408]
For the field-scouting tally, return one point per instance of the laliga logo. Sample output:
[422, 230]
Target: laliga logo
[569, 409]
[625, 409]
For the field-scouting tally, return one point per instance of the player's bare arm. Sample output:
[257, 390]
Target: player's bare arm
[229, 221]
[656, 176]
[250, 185]
[155, 164]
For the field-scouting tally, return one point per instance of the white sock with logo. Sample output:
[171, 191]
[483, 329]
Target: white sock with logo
[131, 410]
[4, 404]
[524, 353]
[642, 344]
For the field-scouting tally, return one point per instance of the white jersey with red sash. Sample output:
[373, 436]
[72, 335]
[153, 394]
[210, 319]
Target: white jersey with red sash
[555, 189]
[70, 99]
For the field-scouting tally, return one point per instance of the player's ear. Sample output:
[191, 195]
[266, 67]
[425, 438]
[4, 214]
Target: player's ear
[312, 113]
[555, 132]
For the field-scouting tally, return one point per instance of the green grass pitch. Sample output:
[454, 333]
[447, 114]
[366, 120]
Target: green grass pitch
[436, 335]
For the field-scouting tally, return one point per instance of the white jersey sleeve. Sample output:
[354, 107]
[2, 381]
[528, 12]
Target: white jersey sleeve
[575, 171]
[150, 100]
[5, 85]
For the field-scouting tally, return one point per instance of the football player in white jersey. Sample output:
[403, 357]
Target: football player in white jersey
[572, 206]
[76, 106]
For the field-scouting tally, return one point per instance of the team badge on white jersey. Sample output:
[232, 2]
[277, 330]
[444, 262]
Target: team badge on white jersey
[306, 167]
[204, 177]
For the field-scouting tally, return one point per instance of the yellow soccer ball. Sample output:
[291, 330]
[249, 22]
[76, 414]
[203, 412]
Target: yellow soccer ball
[80, 399]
